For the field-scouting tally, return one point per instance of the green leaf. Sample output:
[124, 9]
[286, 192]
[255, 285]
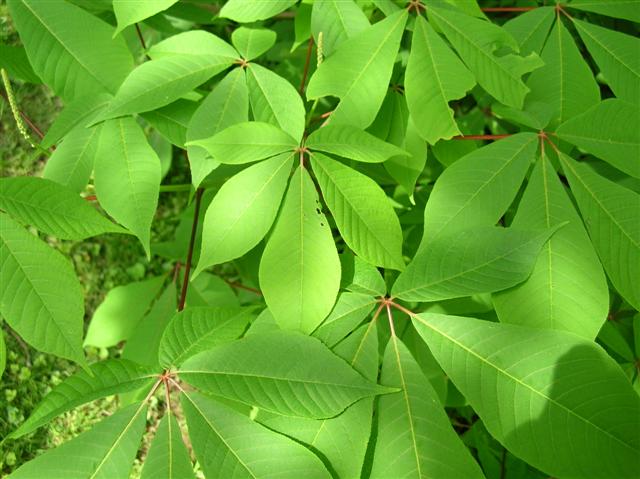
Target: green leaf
[71, 50]
[230, 445]
[627, 9]
[41, 297]
[127, 176]
[359, 72]
[198, 329]
[567, 288]
[362, 211]
[284, 372]
[536, 390]
[350, 310]
[13, 58]
[610, 213]
[226, 105]
[168, 457]
[274, 100]
[300, 269]
[478, 188]
[247, 11]
[172, 120]
[477, 42]
[338, 20]
[530, 29]
[194, 43]
[246, 142]
[614, 54]
[565, 82]
[415, 437]
[252, 42]
[129, 12]
[210, 290]
[434, 77]
[361, 277]
[122, 309]
[478, 260]
[52, 208]
[104, 452]
[243, 211]
[407, 169]
[610, 131]
[353, 143]
[108, 377]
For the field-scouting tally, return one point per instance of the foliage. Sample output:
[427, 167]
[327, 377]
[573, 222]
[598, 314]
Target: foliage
[467, 171]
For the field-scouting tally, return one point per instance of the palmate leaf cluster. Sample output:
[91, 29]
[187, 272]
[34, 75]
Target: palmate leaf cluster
[410, 300]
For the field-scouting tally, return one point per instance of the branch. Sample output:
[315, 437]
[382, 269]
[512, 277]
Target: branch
[305, 72]
[480, 137]
[192, 241]
[237, 285]
[142, 42]
[507, 9]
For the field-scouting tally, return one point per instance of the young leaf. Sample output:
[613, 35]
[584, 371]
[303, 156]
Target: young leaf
[266, 370]
[70, 49]
[610, 213]
[198, 329]
[477, 41]
[41, 297]
[129, 12]
[613, 53]
[108, 377]
[415, 438]
[247, 142]
[52, 208]
[362, 211]
[609, 130]
[104, 452]
[124, 306]
[359, 72]
[350, 310]
[537, 389]
[300, 269]
[252, 42]
[353, 143]
[627, 9]
[338, 20]
[274, 100]
[243, 211]
[168, 456]
[243, 11]
[434, 77]
[567, 288]
[127, 176]
[478, 260]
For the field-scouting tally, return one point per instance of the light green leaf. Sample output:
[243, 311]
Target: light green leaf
[252, 42]
[362, 211]
[361, 277]
[478, 188]
[122, 309]
[530, 29]
[247, 11]
[407, 169]
[274, 100]
[300, 269]
[614, 54]
[284, 372]
[172, 120]
[210, 290]
[627, 9]
[565, 82]
[338, 20]
[350, 310]
[226, 105]
[415, 438]
[230, 445]
[129, 12]
[52, 208]
[610, 213]
[359, 72]
[434, 77]
[70, 49]
[243, 211]
[353, 143]
[198, 329]
[41, 297]
[106, 451]
[567, 288]
[127, 176]
[609, 130]
[246, 142]
[108, 377]
[477, 42]
[538, 389]
[168, 457]
[478, 260]
[194, 43]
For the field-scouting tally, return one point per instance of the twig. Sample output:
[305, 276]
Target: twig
[192, 241]
[480, 137]
[305, 71]
[507, 9]
[26, 119]
[237, 285]
[142, 42]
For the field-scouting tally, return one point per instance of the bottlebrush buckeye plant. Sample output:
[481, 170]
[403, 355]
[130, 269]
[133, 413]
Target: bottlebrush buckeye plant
[412, 245]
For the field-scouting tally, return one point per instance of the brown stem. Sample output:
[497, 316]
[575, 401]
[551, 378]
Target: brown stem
[480, 137]
[26, 119]
[305, 72]
[192, 241]
[507, 9]
[237, 285]
[142, 42]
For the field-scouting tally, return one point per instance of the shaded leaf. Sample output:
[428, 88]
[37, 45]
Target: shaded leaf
[168, 456]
